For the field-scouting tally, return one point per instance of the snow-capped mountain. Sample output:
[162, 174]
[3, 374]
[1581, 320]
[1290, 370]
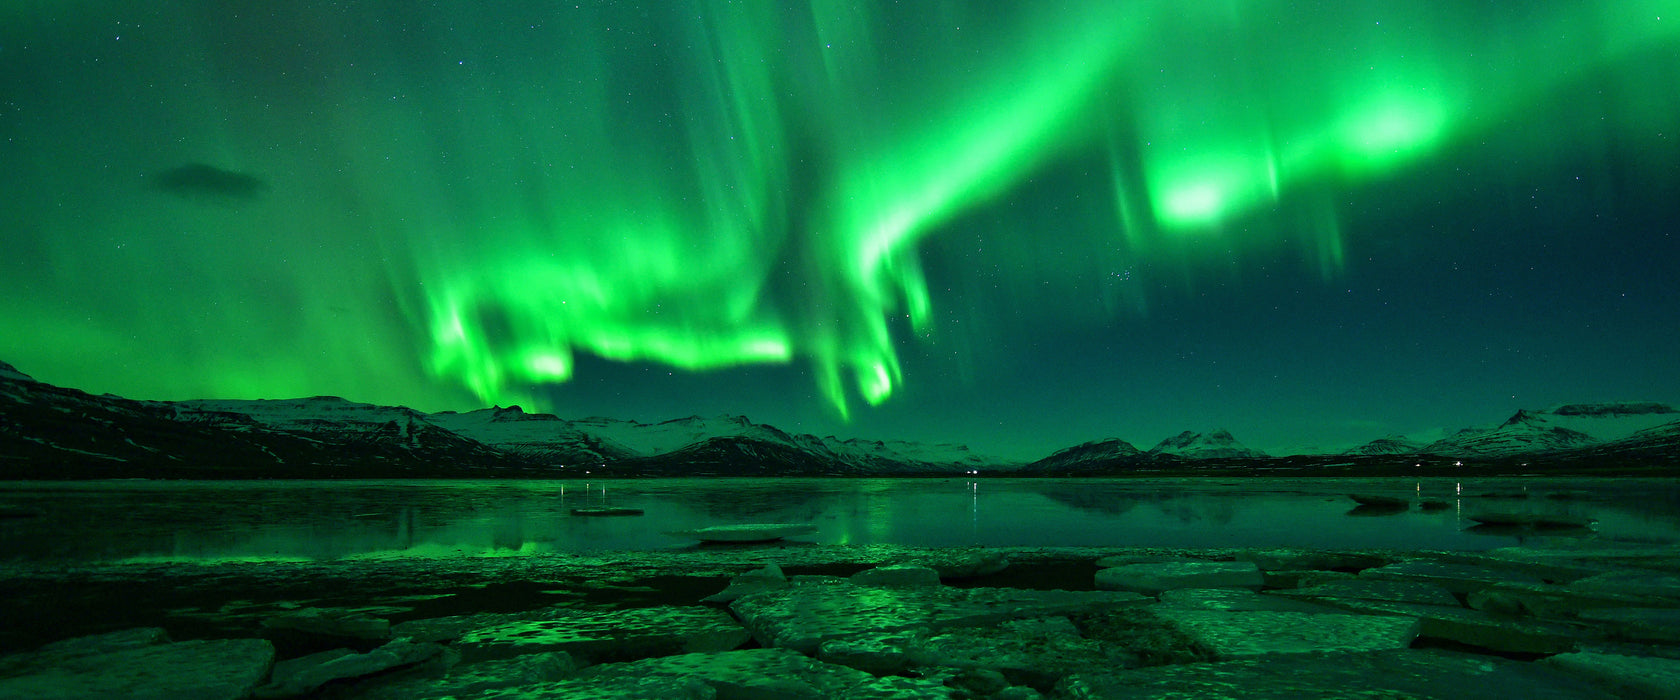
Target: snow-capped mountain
[1187, 452]
[1217, 444]
[740, 456]
[331, 419]
[9, 372]
[322, 415]
[1566, 427]
[1656, 442]
[937, 456]
[1391, 445]
[1654, 451]
[1517, 436]
[1090, 456]
[541, 438]
[666, 445]
[701, 440]
[634, 439]
[52, 431]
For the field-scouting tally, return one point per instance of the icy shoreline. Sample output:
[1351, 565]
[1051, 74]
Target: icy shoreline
[1565, 619]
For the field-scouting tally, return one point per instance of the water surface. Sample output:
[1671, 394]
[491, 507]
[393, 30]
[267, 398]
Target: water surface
[218, 520]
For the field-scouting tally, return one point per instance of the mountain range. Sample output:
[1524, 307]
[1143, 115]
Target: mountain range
[1632, 437]
[1561, 429]
[48, 431]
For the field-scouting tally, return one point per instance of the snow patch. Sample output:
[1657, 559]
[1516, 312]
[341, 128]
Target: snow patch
[9, 372]
[1216, 444]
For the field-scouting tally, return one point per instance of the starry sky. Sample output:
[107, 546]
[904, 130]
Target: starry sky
[1015, 225]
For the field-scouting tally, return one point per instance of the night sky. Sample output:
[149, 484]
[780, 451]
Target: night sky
[1016, 225]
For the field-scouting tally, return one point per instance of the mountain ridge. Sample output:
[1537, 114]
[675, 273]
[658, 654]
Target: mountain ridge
[56, 432]
[1561, 428]
[48, 431]
[1215, 444]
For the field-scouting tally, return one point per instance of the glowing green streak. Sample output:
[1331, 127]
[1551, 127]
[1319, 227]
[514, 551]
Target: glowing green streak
[688, 282]
[707, 183]
[520, 324]
[639, 272]
[1381, 120]
[991, 139]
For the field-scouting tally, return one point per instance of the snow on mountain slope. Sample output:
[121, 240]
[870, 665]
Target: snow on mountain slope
[9, 372]
[1391, 445]
[649, 439]
[936, 454]
[1566, 427]
[305, 415]
[42, 422]
[672, 437]
[539, 436]
[333, 430]
[1666, 431]
[48, 428]
[1654, 448]
[1509, 439]
[1090, 455]
[1218, 444]
[65, 433]
[333, 419]
[1665, 436]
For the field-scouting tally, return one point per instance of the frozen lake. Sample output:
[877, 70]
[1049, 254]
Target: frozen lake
[279, 520]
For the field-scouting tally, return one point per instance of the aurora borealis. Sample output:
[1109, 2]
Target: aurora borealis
[1018, 225]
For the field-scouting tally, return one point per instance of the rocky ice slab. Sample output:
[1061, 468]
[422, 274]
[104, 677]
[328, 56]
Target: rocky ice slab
[1564, 620]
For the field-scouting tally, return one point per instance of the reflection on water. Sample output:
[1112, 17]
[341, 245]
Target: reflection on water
[314, 520]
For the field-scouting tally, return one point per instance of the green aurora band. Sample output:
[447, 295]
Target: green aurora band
[1219, 142]
[711, 184]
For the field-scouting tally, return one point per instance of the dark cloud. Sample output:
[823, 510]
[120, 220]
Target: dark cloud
[200, 181]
